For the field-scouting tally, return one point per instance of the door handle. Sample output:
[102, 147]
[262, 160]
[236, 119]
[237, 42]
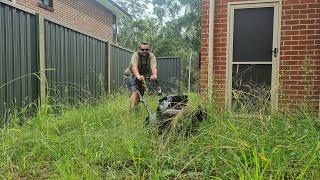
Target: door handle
[275, 52]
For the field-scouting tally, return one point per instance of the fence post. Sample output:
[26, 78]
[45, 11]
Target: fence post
[42, 60]
[109, 68]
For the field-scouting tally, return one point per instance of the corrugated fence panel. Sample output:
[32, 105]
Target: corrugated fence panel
[76, 64]
[169, 73]
[120, 60]
[18, 58]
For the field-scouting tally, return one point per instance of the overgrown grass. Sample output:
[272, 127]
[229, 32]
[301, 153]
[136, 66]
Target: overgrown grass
[108, 142]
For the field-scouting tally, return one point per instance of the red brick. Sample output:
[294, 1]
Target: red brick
[299, 47]
[306, 42]
[204, 22]
[315, 26]
[317, 5]
[290, 53]
[297, 87]
[306, 53]
[308, 1]
[285, 7]
[283, 48]
[293, 11]
[285, 38]
[313, 16]
[307, 11]
[300, 6]
[299, 16]
[299, 27]
[286, 28]
[205, 26]
[307, 32]
[292, 32]
[313, 47]
[291, 22]
[300, 37]
[308, 21]
[291, 42]
[291, 1]
[285, 58]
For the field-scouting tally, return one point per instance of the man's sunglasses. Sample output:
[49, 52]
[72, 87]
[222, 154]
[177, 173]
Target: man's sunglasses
[145, 50]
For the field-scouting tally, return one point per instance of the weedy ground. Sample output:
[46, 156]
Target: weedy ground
[105, 141]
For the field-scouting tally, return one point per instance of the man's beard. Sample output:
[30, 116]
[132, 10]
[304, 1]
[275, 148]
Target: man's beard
[144, 54]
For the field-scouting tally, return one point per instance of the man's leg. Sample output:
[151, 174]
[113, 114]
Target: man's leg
[132, 86]
[134, 99]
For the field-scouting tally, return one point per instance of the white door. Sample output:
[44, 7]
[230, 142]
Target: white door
[253, 56]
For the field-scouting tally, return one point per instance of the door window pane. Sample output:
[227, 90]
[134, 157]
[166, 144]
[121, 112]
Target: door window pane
[253, 34]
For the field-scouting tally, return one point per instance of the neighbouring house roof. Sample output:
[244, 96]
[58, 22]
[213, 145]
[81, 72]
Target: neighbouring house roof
[114, 8]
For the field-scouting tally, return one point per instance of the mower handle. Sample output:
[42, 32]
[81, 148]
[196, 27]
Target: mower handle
[155, 80]
[159, 91]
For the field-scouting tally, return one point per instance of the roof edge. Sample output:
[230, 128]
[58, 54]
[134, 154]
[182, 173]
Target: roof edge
[114, 8]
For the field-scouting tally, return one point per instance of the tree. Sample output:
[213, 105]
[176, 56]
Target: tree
[137, 9]
[135, 31]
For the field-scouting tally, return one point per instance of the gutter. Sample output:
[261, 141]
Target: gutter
[211, 48]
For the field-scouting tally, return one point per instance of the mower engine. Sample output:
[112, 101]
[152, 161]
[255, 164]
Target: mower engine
[170, 106]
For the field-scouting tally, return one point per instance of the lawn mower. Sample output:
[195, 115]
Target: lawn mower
[169, 108]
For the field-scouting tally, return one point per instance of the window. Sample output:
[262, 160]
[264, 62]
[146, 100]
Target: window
[47, 2]
[114, 28]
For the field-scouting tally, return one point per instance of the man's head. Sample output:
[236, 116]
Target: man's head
[144, 49]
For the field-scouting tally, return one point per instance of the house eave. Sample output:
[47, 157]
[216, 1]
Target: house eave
[114, 8]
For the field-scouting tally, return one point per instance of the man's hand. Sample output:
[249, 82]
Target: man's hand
[153, 77]
[139, 77]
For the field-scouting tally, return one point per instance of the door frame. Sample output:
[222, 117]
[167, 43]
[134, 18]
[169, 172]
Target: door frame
[277, 4]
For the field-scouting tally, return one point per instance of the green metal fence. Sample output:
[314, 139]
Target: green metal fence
[169, 73]
[120, 61]
[18, 58]
[76, 64]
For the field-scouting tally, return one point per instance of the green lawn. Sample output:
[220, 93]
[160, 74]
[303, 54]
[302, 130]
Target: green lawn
[108, 142]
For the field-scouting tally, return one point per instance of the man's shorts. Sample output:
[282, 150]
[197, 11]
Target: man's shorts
[134, 84]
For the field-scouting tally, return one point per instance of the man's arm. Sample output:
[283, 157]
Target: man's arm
[154, 70]
[135, 71]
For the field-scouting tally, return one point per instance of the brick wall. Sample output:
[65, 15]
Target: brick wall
[204, 45]
[86, 15]
[300, 50]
